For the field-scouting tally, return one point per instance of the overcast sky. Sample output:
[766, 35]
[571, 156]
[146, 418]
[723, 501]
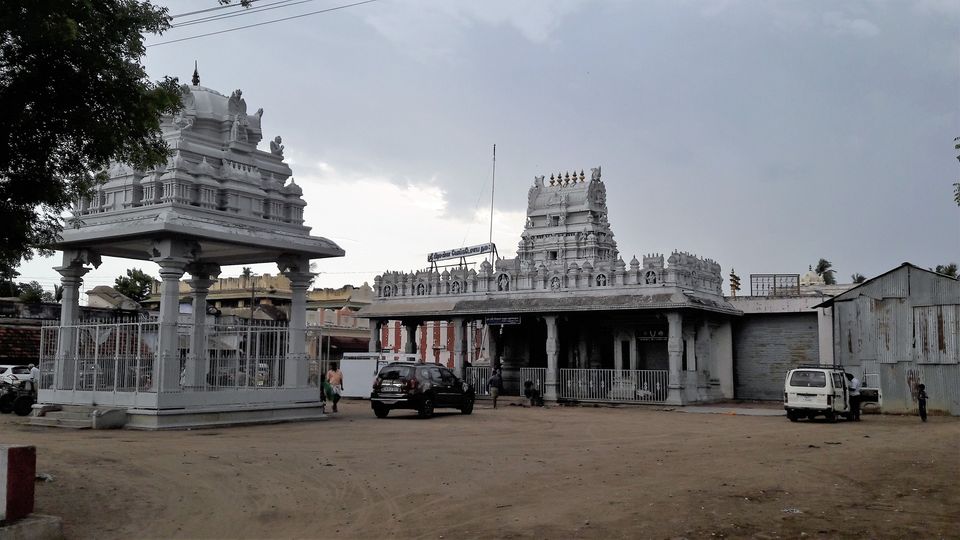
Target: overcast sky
[764, 135]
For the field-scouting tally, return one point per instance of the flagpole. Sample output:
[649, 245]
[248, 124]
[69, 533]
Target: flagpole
[493, 187]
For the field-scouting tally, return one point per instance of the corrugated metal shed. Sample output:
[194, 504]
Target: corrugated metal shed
[905, 324]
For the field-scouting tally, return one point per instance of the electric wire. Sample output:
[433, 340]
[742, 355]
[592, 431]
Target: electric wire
[327, 10]
[252, 11]
[225, 6]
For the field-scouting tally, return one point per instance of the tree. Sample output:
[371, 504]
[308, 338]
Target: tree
[956, 193]
[135, 285]
[33, 293]
[949, 270]
[858, 278]
[9, 288]
[823, 269]
[75, 98]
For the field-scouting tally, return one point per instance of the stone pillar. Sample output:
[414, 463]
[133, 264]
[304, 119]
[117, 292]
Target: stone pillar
[553, 344]
[675, 354]
[375, 345]
[617, 350]
[166, 368]
[297, 270]
[71, 272]
[459, 345]
[202, 277]
[690, 350]
[633, 349]
[410, 337]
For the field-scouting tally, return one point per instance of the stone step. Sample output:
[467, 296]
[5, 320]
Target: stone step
[69, 415]
[60, 422]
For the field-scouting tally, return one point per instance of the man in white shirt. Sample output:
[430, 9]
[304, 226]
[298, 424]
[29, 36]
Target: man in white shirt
[854, 387]
[34, 373]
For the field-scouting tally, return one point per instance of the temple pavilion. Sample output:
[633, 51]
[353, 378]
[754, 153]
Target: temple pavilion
[569, 314]
[219, 200]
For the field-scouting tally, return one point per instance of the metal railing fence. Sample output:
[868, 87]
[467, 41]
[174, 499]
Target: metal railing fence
[106, 357]
[478, 377]
[536, 375]
[618, 385]
[122, 357]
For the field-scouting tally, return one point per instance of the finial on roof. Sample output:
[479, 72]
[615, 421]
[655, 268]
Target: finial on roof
[196, 75]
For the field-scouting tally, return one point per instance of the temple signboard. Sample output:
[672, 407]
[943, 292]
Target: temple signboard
[461, 252]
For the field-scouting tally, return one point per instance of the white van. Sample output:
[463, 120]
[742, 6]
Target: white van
[816, 391]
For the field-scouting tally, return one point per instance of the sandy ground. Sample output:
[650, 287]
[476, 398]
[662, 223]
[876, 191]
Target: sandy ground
[562, 472]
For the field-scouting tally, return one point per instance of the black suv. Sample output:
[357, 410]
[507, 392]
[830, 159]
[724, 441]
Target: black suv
[420, 387]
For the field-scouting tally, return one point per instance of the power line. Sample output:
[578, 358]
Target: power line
[222, 16]
[263, 23]
[225, 6]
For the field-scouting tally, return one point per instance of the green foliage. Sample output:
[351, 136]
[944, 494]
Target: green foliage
[956, 193]
[823, 269]
[858, 278]
[135, 285]
[33, 293]
[947, 270]
[75, 98]
[9, 288]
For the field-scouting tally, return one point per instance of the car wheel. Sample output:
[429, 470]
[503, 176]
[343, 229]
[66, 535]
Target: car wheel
[380, 410]
[426, 408]
[467, 407]
[831, 417]
[792, 416]
[23, 405]
[6, 403]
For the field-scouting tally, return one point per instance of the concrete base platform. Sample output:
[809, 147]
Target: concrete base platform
[33, 527]
[223, 416]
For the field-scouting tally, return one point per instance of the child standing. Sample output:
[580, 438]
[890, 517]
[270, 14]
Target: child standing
[922, 401]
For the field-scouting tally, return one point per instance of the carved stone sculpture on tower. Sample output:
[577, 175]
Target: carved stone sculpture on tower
[275, 147]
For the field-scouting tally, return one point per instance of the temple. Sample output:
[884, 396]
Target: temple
[219, 200]
[569, 314]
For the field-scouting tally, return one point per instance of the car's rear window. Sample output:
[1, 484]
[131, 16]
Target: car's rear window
[810, 379]
[396, 372]
[21, 370]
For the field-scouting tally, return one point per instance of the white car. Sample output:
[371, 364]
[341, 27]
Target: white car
[14, 373]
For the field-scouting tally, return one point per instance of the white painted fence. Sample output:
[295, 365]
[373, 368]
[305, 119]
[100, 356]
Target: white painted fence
[613, 385]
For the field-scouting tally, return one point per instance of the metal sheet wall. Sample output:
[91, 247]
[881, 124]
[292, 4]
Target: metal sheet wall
[937, 332]
[899, 381]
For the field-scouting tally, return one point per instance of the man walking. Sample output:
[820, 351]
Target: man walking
[333, 386]
[495, 386]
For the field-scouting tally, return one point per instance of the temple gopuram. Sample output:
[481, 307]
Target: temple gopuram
[568, 313]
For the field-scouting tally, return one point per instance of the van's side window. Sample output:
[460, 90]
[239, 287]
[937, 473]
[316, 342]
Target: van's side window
[837, 380]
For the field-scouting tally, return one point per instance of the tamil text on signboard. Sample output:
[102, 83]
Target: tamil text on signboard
[460, 252]
[502, 321]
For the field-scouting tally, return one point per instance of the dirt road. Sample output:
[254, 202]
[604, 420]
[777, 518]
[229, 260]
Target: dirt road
[508, 473]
